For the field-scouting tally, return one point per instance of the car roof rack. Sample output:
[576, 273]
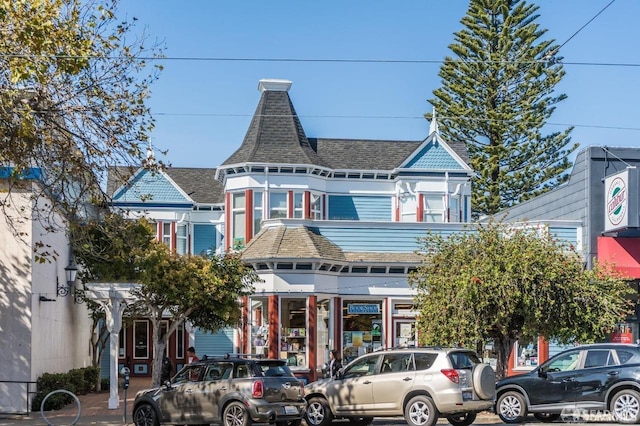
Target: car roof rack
[246, 356]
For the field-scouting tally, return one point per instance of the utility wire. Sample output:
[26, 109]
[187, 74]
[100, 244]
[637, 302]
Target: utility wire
[383, 117]
[582, 27]
[316, 60]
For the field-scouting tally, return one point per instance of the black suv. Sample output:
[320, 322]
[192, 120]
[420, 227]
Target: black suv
[231, 390]
[586, 379]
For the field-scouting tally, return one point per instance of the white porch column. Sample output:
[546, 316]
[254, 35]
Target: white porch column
[113, 299]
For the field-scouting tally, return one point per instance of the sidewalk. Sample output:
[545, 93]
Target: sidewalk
[94, 409]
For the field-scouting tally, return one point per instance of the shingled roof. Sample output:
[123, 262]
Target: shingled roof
[276, 136]
[198, 183]
[291, 243]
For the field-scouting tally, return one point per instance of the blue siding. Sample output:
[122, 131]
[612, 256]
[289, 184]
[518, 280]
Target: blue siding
[379, 239]
[150, 187]
[365, 208]
[204, 239]
[214, 344]
[434, 156]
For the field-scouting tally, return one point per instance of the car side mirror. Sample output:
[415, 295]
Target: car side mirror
[167, 384]
[542, 373]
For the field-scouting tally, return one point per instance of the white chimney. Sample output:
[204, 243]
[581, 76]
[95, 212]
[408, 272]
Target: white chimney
[274, 85]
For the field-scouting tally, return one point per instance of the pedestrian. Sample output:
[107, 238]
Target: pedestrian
[191, 355]
[335, 363]
[167, 369]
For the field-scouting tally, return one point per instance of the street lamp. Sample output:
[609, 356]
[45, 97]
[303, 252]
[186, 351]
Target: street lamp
[71, 270]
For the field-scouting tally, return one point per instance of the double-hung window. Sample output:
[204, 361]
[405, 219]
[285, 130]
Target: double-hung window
[278, 205]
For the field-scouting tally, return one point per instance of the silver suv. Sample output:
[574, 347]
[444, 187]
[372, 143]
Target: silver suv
[231, 390]
[420, 384]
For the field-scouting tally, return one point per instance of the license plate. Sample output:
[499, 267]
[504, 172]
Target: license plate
[290, 409]
[467, 395]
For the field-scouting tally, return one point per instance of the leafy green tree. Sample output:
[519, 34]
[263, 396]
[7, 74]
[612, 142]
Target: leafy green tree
[499, 283]
[204, 291]
[496, 96]
[73, 93]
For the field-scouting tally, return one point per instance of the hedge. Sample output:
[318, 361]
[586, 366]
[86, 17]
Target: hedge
[79, 381]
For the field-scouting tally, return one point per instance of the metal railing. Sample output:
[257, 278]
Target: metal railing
[29, 389]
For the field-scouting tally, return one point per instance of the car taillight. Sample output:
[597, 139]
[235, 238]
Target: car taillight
[451, 374]
[258, 389]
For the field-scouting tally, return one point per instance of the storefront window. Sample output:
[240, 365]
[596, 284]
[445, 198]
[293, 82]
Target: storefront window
[122, 338]
[526, 355]
[141, 339]
[293, 342]
[323, 331]
[362, 328]
[259, 325]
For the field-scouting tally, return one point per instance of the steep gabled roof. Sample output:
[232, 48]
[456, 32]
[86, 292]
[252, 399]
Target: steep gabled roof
[126, 184]
[275, 134]
[435, 154]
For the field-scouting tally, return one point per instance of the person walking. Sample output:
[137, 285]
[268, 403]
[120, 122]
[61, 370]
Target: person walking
[335, 363]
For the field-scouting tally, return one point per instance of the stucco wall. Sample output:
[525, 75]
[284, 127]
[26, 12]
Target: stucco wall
[37, 336]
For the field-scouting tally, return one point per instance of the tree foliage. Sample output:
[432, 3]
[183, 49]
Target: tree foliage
[496, 96]
[73, 92]
[501, 283]
[207, 292]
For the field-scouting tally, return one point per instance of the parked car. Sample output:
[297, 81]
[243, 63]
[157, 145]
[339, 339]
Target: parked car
[420, 384]
[233, 391]
[589, 378]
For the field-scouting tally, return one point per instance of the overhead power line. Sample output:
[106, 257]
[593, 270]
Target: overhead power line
[318, 60]
[384, 117]
[587, 23]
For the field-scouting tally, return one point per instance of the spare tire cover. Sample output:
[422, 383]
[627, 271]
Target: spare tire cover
[484, 381]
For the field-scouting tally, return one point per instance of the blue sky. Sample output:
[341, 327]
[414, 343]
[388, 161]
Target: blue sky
[203, 107]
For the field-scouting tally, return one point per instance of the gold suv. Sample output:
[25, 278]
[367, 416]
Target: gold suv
[421, 384]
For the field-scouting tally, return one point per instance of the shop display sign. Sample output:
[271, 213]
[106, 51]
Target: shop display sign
[363, 308]
[620, 210]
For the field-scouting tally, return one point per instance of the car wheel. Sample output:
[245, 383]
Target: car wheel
[145, 415]
[360, 421]
[511, 407]
[235, 414]
[462, 419]
[318, 412]
[546, 417]
[421, 411]
[484, 381]
[625, 406]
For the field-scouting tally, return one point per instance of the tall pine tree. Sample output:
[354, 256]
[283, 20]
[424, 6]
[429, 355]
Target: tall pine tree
[496, 96]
